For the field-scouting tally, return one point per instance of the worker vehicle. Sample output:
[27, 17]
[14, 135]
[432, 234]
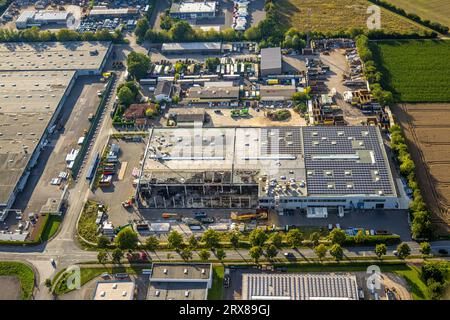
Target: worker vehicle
[170, 215]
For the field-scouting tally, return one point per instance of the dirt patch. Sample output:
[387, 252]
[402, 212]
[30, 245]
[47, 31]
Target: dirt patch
[427, 131]
[397, 285]
[10, 288]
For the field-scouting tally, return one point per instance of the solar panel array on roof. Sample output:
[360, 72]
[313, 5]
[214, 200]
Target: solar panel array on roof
[346, 160]
[282, 140]
[299, 286]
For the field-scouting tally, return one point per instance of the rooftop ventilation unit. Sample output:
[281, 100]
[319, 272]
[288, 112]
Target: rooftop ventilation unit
[114, 286]
[185, 271]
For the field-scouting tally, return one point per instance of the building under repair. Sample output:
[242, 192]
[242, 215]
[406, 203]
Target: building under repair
[311, 168]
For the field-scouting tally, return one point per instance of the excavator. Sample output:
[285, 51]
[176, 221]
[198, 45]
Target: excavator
[259, 215]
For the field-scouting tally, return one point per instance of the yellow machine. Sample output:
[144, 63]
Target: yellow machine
[249, 216]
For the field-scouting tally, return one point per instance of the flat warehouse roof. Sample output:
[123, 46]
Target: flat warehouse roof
[177, 291]
[52, 56]
[293, 286]
[194, 7]
[181, 46]
[28, 101]
[271, 58]
[114, 290]
[285, 161]
[170, 271]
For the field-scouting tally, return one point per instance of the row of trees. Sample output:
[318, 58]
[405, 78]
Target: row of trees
[34, 34]
[427, 23]
[421, 222]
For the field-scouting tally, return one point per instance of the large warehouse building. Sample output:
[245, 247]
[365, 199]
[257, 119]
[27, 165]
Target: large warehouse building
[296, 286]
[191, 47]
[271, 61]
[193, 10]
[277, 168]
[41, 18]
[35, 80]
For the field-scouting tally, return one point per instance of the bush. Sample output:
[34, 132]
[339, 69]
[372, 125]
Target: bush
[371, 240]
[127, 238]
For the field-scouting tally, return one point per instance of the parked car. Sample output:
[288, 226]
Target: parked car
[443, 251]
[199, 215]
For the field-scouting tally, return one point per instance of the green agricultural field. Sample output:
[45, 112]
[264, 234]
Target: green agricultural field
[339, 15]
[415, 70]
[433, 10]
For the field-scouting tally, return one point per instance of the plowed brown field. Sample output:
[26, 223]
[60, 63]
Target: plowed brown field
[427, 131]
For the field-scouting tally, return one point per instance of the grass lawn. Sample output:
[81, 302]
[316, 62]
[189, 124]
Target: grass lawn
[412, 276]
[415, 70]
[88, 274]
[216, 291]
[86, 225]
[51, 227]
[335, 15]
[23, 272]
[434, 10]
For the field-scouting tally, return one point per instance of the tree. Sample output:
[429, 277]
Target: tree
[117, 255]
[403, 250]
[277, 240]
[193, 242]
[102, 257]
[127, 239]
[435, 289]
[380, 250]
[126, 96]
[271, 251]
[337, 236]
[138, 64]
[142, 26]
[255, 253]
[175, 240]
[337, 252]
[211, 238]
[300, 97]
[234, 239]
[67, 35]
[220, 254]
[425, 248]
[359, 237]
[321, 251]
[186, 254]
[103, 242]
[182, 31]
[294, 238]
[435, 270]
[212, 63]
[204, 254]
[257, 237]
[314, 237]
[152, 243]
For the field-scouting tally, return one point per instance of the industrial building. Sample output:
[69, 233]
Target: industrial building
[225, 95]
[35, 81]
[297, 286]
[276, 93]
[277, 168]
[191, 47]
[114, 290]
[180, 281]
[30, 19]
[193, 10]
[87, 58]
[271, 61]
[102, 12]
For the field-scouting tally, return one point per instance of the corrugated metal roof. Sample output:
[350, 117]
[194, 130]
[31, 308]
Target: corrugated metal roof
[299, 286]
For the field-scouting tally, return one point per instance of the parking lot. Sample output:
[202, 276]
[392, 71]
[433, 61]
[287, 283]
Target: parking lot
[73, 120]
[255, 119]
[394, 221]
[131, 152]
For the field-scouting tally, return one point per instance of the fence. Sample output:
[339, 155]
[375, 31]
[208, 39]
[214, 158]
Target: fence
[95, 120]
